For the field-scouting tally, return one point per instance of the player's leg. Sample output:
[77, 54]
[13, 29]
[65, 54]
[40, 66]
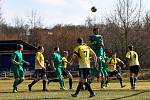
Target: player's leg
[80, 84]
[21, 72]
[52, 77]
[131, 76]
[44, 80]
[85, 76]
[119, 78]
[36, 79]
[67, 74]
[102, 79]
[135, 75]
[17, 79]
[105, 77]
[70, 80]
[101, 75]
[110, 74]
[60, 77]
[94, 73]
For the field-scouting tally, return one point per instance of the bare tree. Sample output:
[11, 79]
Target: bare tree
[127, 13]
[1, 18]
[35, 22]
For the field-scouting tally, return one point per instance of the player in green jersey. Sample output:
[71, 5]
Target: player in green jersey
[56, 63]
[17, 66]
[96, 43]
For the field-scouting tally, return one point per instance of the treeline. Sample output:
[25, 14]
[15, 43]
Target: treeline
[65, 37]
[125, 26]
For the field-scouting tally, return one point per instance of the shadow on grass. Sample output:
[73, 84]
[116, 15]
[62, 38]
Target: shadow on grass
[38, 91]
[125, 97]
[53, 98]
[12, 92]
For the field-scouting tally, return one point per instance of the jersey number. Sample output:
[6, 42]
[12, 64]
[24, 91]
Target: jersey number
[85, 52]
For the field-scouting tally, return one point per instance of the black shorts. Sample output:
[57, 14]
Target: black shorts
[40, 74]
[65, 72]
[84, 73]
[135, 69]
[112, 73]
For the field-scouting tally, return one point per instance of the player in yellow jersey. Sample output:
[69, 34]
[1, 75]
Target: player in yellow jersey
[83, 53]
[112, 63]
[40, 69]
[133, 63]
[65, 72]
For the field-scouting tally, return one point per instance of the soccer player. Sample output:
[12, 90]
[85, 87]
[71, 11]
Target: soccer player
[17, 66]
[83, 53]
[40, 69]
[56, 64]
[132, 59]
[112, 63]
[65, 71]
[96, 43]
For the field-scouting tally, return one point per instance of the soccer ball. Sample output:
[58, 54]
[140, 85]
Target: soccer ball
[93, 9]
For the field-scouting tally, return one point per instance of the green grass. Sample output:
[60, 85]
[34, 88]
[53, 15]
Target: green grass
[112, 92]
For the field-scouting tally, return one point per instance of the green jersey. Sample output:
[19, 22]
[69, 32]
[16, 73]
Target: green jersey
[56, 57]
[17, 56]
[96, 41]
[105, 65]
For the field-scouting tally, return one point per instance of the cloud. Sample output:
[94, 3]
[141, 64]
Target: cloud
[52, 2]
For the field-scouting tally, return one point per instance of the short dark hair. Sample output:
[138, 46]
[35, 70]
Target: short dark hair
[80, 40]
[39, 47]
[130, 47]
[55, 49]
[95, 29]
[65, 52]
[19, 46]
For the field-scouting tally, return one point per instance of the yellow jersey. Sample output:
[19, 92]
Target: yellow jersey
[39, 60]
[112, 63]
[133, 58]
[83, 52]
[64, 61]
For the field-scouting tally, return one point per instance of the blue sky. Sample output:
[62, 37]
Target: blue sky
[55, 12]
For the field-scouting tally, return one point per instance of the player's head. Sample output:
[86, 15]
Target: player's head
[114, 55]
[65, 53]
[130, 47]
[96, 31]
[56, 49]
[41, 49]
[80, 40]
[20, 47]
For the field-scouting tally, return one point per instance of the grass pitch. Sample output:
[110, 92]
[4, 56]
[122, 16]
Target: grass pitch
[112, 92]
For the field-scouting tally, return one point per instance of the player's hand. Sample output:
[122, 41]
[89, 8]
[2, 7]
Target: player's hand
[27, 63]
[70, 63]
[44, 69]
[20, 64]
[124, 65]
[96, 64]
[54, 68]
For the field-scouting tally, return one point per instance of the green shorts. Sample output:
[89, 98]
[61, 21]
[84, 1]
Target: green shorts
[18, 73]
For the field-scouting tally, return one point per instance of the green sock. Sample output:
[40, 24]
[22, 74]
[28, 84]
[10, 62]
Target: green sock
[61, 81]
[16, 82]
